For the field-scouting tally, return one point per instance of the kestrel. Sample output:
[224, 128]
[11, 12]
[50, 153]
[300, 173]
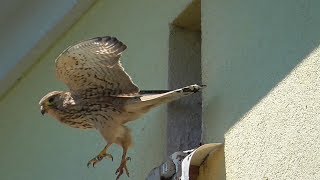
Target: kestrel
[102, 95]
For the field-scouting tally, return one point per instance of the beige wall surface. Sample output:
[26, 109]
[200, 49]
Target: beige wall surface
[35, 147]
[263, 88]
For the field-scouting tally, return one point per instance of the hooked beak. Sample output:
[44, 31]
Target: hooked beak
[43, 111]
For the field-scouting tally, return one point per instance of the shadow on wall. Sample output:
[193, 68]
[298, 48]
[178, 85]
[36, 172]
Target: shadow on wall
[248, 48]
[184, 116]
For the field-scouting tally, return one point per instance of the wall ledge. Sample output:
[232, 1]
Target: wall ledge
[186, 165]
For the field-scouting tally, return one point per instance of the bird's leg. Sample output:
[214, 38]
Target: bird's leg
[123, 164]
[100, 156]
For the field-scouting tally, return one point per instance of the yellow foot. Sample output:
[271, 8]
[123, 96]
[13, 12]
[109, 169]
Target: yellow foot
[123, 167]
[98, 158]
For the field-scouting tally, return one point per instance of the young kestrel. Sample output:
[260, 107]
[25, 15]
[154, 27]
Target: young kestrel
[102, 95]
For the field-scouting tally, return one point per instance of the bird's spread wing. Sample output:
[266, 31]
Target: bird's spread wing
[95, 64]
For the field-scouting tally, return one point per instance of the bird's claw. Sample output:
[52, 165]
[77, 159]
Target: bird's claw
[98, 158]
[123, 167]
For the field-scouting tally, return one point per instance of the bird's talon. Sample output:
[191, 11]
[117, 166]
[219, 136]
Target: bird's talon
[92, 161]
[123, 167]
[98, 158]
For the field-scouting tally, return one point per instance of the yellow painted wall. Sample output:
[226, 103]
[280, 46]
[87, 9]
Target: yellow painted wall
[263, 97]
[213, 166]
[36, 147]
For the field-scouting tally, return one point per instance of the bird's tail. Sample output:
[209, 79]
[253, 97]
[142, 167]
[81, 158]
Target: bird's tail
[153, 98]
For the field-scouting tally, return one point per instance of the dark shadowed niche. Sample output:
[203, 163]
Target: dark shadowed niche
[185, 115]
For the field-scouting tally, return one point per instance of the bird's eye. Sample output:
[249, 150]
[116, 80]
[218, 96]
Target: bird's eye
[50, 100]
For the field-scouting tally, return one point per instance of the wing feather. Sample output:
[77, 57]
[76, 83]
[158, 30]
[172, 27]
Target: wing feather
[95, 64]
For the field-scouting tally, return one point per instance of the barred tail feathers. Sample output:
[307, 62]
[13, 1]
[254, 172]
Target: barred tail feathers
[149, 100]
[173, 95]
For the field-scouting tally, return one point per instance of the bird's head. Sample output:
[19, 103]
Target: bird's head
[51, 101]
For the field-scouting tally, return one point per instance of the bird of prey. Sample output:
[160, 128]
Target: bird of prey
[102, 95]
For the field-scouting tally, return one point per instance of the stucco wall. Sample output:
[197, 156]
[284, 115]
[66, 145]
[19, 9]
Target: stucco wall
[267, 109]
[36, 147]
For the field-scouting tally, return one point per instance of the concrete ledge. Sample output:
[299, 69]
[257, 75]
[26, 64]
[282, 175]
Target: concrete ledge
[203, 163]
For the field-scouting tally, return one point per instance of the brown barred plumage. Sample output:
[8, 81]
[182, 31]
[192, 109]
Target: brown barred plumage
[102, 95]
